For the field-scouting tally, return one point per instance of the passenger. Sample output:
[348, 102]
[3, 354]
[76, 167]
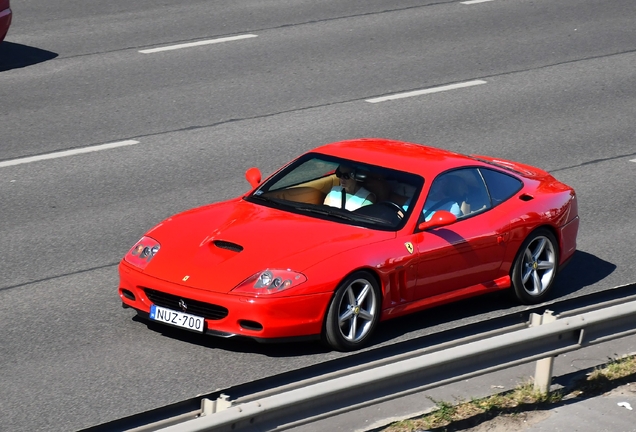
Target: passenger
[446, 193]
[350, 195]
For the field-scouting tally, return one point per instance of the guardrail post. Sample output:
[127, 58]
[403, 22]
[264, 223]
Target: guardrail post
[209, 406]
[543, 371]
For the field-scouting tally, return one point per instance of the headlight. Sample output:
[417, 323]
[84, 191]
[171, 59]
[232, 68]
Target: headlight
[141, 254]
[270, 282]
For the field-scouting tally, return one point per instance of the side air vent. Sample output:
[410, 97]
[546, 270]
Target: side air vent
[228, 245]
[526, 197]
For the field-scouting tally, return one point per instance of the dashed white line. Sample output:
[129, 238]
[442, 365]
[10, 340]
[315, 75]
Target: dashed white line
[632, 160]
[426, 91]
[469, 2]
[66, 153]
[199, 43]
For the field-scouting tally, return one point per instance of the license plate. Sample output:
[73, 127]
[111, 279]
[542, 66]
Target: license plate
[176, 318]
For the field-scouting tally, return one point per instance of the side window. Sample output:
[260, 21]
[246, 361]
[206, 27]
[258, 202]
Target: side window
[477, 198]
[447, 192]
[462, 192]
[500, 186]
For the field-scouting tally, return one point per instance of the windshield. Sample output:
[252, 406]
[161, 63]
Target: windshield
[342, 190]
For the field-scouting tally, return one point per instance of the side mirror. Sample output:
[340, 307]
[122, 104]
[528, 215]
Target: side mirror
[440, 218]
[253, 176]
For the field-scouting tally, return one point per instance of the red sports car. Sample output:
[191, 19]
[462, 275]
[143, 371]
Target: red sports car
[5, 18]
[351, 234]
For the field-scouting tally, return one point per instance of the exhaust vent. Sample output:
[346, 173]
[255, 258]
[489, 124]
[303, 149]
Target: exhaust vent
[221, 244]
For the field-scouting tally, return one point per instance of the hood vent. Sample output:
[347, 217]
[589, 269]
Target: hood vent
[228, 245]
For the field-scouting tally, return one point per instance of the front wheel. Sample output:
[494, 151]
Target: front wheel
[353, 313]
[535, 267]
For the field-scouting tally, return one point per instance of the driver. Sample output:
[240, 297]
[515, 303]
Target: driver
[350, 195]
[447, 193]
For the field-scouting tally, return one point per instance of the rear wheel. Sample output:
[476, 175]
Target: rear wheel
[535, 267]
[353, 313]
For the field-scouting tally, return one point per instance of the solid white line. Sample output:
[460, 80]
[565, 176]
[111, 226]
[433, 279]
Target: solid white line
[66, 153]
[469, 2]
[426, 91]
[199, 43]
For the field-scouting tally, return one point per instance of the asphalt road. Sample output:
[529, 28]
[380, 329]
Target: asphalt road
[559, 93]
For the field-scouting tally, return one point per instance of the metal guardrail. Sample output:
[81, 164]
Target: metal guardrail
[588, 321]
[350, 390]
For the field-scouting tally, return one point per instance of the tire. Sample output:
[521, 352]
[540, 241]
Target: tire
[535, 267]
[354, 312]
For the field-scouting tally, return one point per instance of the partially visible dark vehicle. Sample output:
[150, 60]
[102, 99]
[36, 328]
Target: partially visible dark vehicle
[5, 18]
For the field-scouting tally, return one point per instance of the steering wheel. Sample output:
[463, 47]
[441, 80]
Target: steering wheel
[396, 207]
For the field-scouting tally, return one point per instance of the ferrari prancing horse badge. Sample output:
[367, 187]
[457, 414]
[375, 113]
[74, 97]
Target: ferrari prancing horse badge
[409, 247]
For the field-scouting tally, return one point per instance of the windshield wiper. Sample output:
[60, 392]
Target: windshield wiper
[264, 199]
[325, 212]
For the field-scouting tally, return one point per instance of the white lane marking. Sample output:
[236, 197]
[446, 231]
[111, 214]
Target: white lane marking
[66, 153]
[469, 2]
[199, 43]
[633, 160]
[426, 91]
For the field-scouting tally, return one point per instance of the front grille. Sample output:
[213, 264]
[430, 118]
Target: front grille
[195, 307]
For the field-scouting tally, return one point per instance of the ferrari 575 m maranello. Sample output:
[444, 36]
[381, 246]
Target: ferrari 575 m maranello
[351, 234]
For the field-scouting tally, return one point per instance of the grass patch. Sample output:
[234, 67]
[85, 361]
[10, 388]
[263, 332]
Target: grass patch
[447, 416]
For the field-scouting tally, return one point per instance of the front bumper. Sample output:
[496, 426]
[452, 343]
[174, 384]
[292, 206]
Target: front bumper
[261, 318]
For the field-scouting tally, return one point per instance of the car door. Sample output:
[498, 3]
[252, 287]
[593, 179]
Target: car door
[467, 252]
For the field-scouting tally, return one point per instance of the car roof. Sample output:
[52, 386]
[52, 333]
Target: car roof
[398, 155]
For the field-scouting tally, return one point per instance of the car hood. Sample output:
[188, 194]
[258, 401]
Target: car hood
[217, 247]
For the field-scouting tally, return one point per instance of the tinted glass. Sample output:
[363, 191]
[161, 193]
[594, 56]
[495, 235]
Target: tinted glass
[500, 186]
[461, 191]
[345, 191]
